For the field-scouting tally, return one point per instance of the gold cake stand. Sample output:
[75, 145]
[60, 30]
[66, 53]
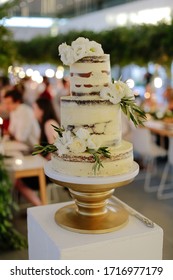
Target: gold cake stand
[91, 212]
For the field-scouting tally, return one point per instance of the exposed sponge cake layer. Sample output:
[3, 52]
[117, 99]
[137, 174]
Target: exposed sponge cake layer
[82, 164]
[100, 117]
[89, 75]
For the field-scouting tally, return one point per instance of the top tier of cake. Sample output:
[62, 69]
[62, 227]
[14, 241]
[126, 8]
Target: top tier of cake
[89, 74]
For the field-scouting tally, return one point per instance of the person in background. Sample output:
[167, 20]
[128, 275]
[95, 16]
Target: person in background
[23, 125]
[5, 85]
[24, 128]
[30, 90]
[46, 93]
[46, 116]
[45, 113]
[168, 95]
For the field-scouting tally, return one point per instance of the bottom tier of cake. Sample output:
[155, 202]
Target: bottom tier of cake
[120, 162]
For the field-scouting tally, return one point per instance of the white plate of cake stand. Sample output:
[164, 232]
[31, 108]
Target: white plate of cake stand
[91, 211]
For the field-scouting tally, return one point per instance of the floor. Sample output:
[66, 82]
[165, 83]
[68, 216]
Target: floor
[159, 211]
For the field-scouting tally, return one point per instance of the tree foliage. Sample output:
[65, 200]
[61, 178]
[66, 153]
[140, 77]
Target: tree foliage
[134, 44]
[137, 44]
[8, 54]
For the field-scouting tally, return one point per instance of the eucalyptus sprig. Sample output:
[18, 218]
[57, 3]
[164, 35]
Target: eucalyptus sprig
[48, 148]
[59, 130]
[97, 155]
[44, 150]
[132, 110]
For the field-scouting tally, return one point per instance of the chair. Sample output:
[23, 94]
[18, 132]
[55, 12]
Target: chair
[145, 146]
[162, 192]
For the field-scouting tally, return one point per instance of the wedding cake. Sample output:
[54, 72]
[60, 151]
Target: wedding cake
[89, 142]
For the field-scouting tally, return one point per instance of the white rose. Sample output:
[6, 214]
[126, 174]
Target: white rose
[95, 49]
[93, 142]
[128, 91]
[62, 149]
[62, 143]
[119, 87]
[105, 93]
[67, 54]
[80, 48]
[82, 133]
[80, 41]
[62, 48]
[66, 138]
[110, 93]
[77, 146]
[116, 94]
[123, 89]
[80, 51]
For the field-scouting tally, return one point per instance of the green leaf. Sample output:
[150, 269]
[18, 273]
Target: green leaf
[38, 149]
[59, 130]
[97, 155]
[132, 111]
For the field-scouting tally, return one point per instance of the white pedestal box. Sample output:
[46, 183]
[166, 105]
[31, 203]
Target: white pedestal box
[49, 241]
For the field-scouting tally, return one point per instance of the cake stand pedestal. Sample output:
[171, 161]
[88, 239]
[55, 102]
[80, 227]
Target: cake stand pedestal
[91, 212]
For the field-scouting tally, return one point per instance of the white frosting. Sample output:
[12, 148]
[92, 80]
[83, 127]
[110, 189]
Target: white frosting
[122, 164]
[103, 121]
[98, 75]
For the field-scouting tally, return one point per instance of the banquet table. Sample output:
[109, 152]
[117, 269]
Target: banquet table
[11, 145]
[159, 127]
[30, 167]
[163, 129]
[23, 166]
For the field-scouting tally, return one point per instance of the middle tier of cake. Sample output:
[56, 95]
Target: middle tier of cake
[100, 117]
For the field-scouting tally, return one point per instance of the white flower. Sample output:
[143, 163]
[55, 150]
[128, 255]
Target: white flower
[105, 93]
[79, 48]
[110, 93]
[116, 91]
[93, 142]
[82, 133]
[67, 54]
[62, 48]
[123, 89]
[80, 41]
[80, 51]
[95, 49]
[63, 143]
[77, 146]
[62, 149]
[66, 137]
